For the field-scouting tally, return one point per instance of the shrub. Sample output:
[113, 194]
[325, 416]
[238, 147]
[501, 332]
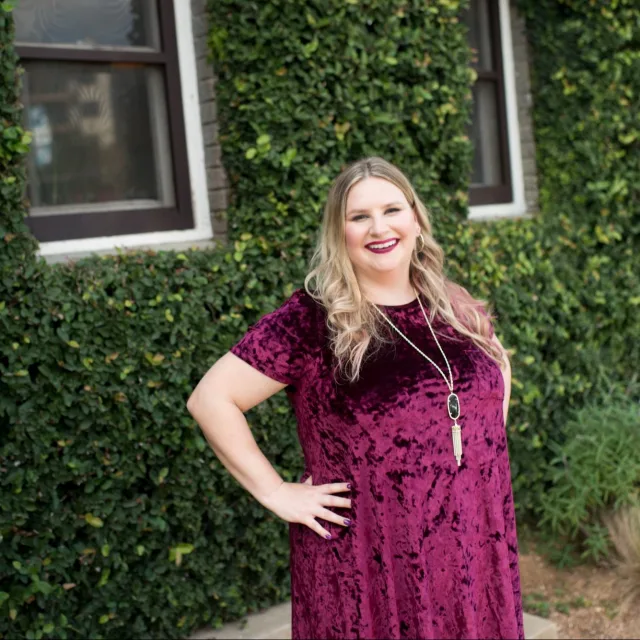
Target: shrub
[115, 517]
[595, 471]
[623, 527]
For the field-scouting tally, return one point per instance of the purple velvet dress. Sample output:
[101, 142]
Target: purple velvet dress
[432, 551]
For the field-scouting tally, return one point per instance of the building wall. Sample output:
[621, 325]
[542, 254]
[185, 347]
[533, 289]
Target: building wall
[522, 57]
[217, 181]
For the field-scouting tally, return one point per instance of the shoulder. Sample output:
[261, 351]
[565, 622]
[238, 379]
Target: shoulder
[299, 314]
[301, 302]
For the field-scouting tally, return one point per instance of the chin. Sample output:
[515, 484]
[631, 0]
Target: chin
[387, 267]
[386, 260]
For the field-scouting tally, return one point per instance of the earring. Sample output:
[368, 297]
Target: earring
[423, 242]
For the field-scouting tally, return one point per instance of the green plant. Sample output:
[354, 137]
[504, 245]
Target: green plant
[595, 469]
[149, 535]
[17, 245]
[537, 604]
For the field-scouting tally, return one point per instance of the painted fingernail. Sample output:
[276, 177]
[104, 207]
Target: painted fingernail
[347, 522]
[348, 486]
[328, 536]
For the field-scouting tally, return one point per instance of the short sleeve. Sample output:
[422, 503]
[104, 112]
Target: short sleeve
[278, 344]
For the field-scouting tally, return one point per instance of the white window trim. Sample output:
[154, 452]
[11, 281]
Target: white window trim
[517, 208]
[195, 153]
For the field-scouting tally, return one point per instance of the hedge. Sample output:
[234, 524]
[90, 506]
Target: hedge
[115, 517]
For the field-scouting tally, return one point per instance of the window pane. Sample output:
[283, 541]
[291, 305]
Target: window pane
[100, 137]
[485, 133]
[478, 20]
[88, 23]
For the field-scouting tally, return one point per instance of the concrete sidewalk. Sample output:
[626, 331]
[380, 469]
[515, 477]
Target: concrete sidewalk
[275, 623]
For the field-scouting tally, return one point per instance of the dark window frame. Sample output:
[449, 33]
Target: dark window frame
[47, 228]
[480, 195]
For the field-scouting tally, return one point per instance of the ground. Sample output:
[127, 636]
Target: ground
[583, 601]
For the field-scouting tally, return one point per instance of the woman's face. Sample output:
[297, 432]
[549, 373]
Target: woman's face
[377, 212]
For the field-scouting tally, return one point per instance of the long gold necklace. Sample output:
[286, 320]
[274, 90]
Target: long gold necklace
[453, 402]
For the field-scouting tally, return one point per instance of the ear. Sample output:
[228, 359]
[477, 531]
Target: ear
[415, 218]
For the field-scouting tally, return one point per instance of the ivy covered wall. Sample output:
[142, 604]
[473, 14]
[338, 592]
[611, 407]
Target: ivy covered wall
[115, 518]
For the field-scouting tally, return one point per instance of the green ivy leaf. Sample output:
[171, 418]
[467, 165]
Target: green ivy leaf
[310, 48]
[176, 553]
[94, 521]
[289, 156]
[104, 577]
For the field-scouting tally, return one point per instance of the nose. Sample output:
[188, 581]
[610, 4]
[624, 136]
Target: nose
[378, 226]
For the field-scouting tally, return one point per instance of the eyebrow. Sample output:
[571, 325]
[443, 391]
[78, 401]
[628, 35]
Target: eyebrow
[386, 206]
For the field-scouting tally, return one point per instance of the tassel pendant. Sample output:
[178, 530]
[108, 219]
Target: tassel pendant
[457, 441]
[453, 406]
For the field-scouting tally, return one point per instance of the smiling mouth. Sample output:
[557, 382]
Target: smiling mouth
[382, 247]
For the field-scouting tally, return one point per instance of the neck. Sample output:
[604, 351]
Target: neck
[390, 296]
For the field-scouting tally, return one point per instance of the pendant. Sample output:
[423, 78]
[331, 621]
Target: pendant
[457, 442]
[453, 406]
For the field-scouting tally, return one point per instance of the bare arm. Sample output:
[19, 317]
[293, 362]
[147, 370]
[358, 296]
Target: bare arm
[218, 403]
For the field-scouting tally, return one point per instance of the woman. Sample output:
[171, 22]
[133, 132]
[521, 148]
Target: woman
[402, 525]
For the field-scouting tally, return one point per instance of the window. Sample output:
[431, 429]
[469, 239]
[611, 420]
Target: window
[491, 181]
[102, 96]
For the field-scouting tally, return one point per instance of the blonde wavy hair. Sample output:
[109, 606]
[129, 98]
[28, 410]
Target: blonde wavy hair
[354, 324]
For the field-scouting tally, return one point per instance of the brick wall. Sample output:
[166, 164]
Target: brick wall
[521, 55]
[217, 182]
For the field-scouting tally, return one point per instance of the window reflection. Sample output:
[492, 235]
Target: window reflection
[87, 23]
[100, 137]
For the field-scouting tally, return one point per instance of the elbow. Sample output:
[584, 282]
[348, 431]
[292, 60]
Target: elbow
[201, 402]
[191, 403]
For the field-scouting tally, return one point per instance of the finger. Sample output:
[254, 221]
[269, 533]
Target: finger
[334, 501]
[314, 525]
[329, 516]
[308, 480]
[336, 487]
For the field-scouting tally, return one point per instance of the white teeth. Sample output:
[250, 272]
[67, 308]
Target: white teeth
[383, 246]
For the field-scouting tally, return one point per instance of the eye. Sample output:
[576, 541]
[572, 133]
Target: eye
[390, 210]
